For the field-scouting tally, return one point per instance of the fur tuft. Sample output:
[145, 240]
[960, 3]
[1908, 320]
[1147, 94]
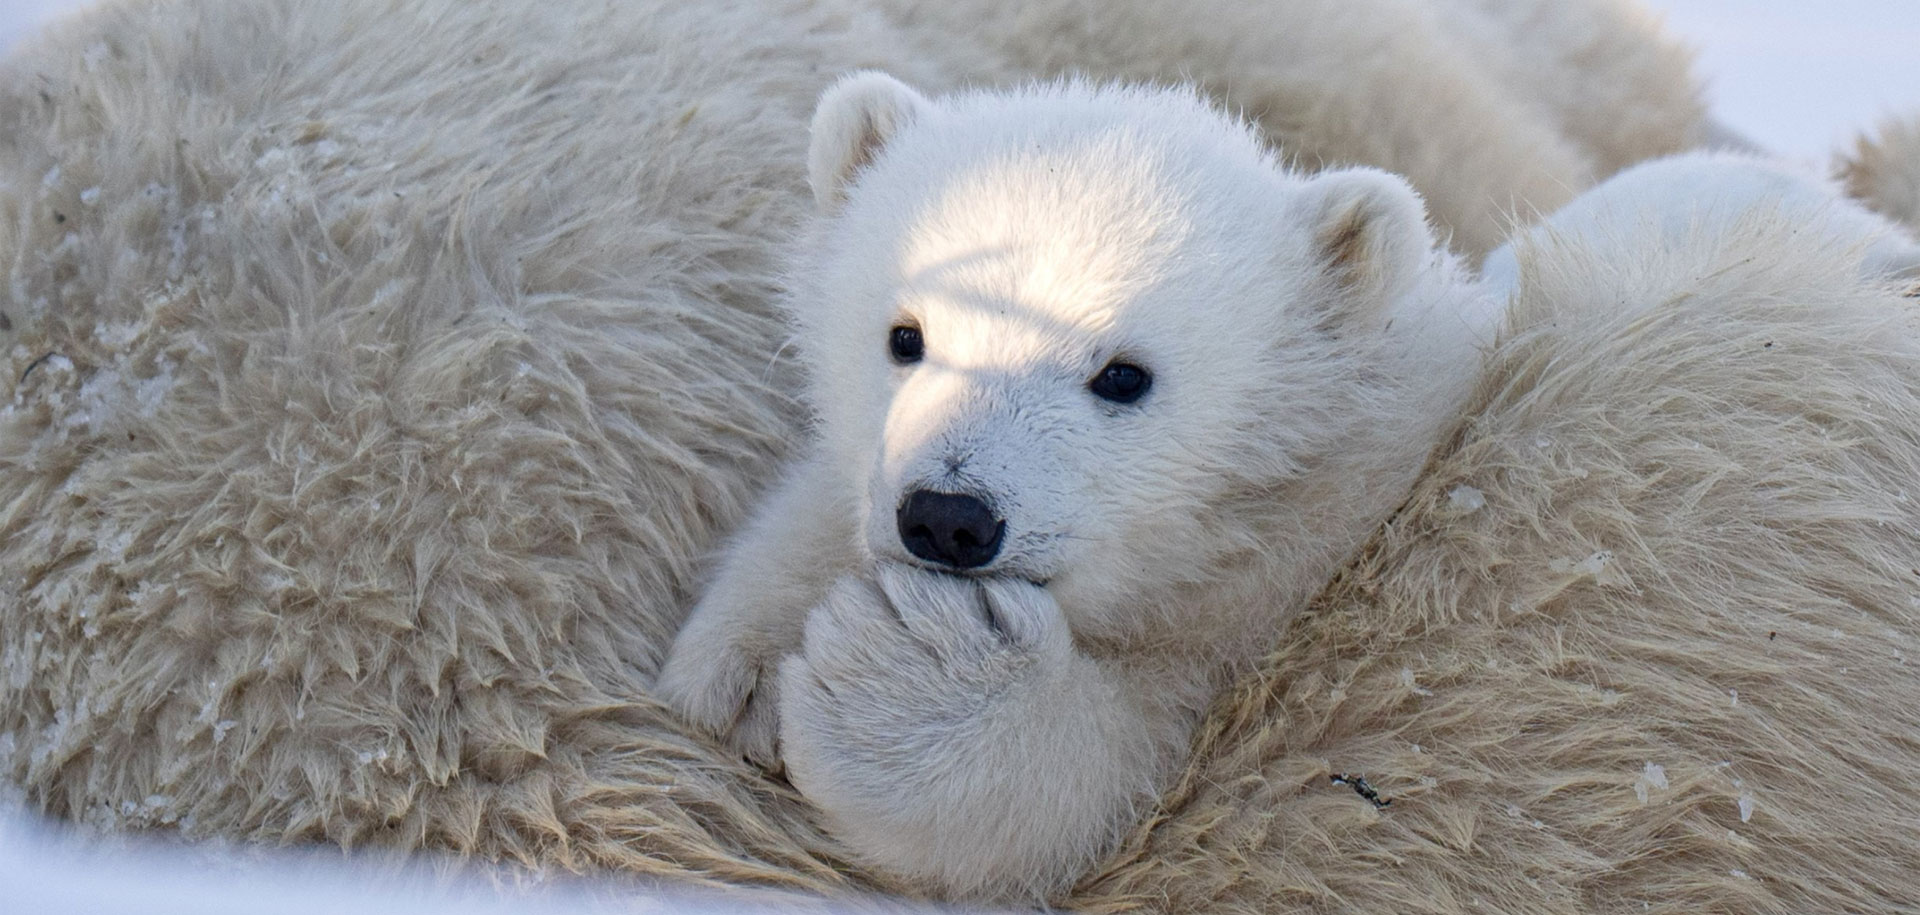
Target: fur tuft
[1883, 171]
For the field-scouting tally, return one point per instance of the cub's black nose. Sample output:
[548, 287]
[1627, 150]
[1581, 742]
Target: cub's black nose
[949, 528]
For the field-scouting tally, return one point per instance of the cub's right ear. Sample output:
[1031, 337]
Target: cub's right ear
[1371, 237]
[855, 118]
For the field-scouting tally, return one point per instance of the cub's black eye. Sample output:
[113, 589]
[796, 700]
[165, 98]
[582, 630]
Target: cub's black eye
[906, 345]
[1121, 382]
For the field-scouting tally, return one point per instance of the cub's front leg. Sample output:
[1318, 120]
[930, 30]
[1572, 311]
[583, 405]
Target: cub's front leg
[722, 673]
[952, 734]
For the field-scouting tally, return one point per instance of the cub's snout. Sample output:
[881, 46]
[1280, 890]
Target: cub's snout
[951, 529]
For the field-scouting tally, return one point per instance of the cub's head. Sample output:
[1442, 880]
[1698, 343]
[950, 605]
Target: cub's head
[1081, 335]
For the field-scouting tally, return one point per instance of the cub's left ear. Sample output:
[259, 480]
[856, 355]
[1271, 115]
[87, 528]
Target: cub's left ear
[855, 119]
[1370, 236]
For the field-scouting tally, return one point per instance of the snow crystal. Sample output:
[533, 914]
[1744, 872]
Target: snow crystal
[1739, 873]
[1653, 777]
[152, 392]
[389, 291]
[1599, 567]
[1733, 697]
[1746, 807]
[1407, 680]
[272, 159]
[1466, 498]
[221, 727]
[176, 249]
[144, 592]
[116, 335]
[114, 542]
[90, 196]
[51, 178]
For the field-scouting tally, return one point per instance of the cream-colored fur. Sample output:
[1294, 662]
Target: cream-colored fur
[1521, 103]
[1545, 51]
[377, 377]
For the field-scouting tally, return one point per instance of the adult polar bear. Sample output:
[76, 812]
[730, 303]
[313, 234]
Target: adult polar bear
[379, 372]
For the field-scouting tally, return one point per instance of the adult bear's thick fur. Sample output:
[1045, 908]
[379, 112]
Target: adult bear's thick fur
[377, 374]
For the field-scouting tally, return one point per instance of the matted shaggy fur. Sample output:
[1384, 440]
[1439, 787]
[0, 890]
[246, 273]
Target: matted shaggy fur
[377, 374]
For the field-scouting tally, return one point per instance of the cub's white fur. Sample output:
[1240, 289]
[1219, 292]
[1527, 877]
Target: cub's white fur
[1659, 206]
[1306, 337]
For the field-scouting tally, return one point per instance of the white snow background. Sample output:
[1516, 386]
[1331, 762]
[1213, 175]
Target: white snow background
[1798, 77]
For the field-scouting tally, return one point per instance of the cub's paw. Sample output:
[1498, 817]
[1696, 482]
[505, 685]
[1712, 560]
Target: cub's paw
[906, 684]
[923, 644]
[722, 677]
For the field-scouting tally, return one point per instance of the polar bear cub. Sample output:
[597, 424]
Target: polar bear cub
[1103, 395]
[1660, 205]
